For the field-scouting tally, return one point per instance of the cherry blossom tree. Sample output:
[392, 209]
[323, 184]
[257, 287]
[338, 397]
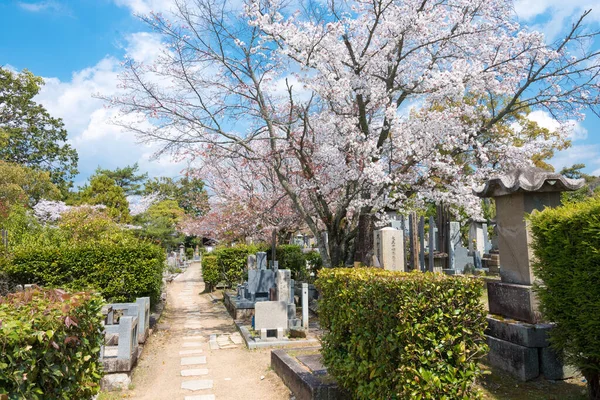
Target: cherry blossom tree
[357, 106]
[247, 202]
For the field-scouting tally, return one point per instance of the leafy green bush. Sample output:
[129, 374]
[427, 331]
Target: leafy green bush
[210, 270]
[228, 265]
[567, 248]
[50, 345]
[121, 270]
[315, 263]
[393, 335]
[290, 257]
[189, 253]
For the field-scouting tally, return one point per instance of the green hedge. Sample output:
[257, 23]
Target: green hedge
[50, 345]
[393, 335]
[210, 270]
[121, 271]
[290, 257]
[567, 248]
[227, 264]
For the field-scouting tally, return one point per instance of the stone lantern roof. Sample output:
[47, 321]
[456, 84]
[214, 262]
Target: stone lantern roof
[527, 180]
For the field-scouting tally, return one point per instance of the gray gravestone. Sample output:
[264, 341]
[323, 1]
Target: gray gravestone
[261, 260]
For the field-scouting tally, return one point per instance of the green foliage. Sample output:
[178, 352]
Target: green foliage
[189, 253]
[29, 135]
[104, 190]
[189, 193]
[50, 344]
[591, 186]
[393, 335]
[126, 178]
[567, 250]
[228, 264]
[24, 186]
[159, 223]
[211, 273]
[290, 257]
[315, 263]
[121, 268]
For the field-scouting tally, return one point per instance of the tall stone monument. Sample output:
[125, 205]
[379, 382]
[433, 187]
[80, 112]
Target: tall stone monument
[516, 335]
[388, 245]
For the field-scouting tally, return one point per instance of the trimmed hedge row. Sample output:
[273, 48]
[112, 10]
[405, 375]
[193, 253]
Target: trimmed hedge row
[50, 345]
[567, 248]
[121, 271]
[393, 335]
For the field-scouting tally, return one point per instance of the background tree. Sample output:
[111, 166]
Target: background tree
[24, 187]
[127, 178]
[591, 187]
[358, 107]
[189, 192]
[104, 190]
[31, 136]
[160, 223]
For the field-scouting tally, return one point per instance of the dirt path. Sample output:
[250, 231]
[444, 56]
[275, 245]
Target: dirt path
[222, 369]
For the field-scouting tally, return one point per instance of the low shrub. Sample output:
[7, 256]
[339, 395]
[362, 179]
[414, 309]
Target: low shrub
[567, 248]
[228, 265]
[290, 257]
[50, 344]
[120, 271]
[392, 335]
[210, 270]
[189, 253]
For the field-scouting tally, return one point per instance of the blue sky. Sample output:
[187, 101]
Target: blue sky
[76, 45]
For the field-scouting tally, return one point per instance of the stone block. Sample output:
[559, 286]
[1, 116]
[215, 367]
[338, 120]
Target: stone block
[261, 260]
[513, 301]
[114, 382]
[260, 281]
[553, 368]
[282, 280]
[270, 315]
[519, 361]
[291, 311]
[388, 245]
[517, 332]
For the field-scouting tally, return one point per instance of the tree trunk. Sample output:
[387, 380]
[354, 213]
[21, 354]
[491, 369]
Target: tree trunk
[364, 239]
[593, 379]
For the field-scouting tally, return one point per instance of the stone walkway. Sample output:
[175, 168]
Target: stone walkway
[197, 354]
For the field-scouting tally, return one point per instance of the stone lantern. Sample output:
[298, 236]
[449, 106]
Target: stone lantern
[516, 335]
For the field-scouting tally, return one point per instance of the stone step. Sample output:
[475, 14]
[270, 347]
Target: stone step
[201, 397]
[200, 384]
[193, 351]
[193, 344]
[193, 360]
[194, 372]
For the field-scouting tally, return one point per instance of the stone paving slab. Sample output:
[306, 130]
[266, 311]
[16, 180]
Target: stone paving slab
[194, 372]
[188, 352]
[201, 397]
[193, 360]
[193, 344]
[196, 337]
[200, 384]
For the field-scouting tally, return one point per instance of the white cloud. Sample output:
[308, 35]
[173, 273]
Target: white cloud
[88, 121]
[545, 120]
[588, 154]
[143, 7]
[48, 5]
[553, 16]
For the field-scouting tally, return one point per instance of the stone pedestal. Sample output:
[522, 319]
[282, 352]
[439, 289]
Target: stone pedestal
[513, 301]
[523, 350]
